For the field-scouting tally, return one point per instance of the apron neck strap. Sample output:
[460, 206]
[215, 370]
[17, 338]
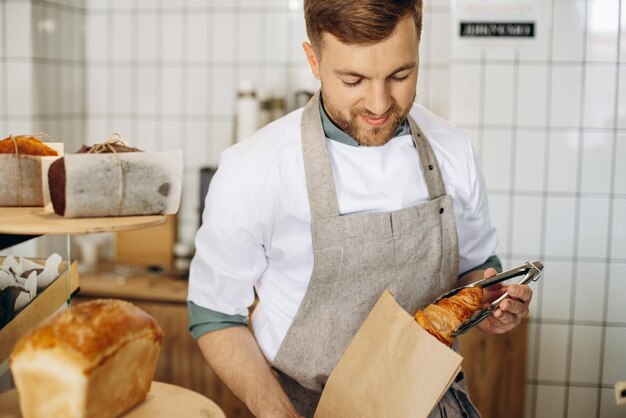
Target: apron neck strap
[318, 169]
[428, 162]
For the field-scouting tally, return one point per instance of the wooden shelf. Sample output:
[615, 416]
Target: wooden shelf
[139, 286]
[45, 304]
[34, 221]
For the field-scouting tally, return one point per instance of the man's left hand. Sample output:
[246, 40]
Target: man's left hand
[511, 310]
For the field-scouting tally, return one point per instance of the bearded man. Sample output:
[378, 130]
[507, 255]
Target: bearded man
[322, 210]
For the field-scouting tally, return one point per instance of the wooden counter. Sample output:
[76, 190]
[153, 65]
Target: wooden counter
[165, 297]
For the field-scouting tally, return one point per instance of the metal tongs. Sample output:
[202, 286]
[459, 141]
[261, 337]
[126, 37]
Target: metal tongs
[531, 270]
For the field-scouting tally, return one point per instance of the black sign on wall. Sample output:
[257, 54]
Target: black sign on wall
[497, 29]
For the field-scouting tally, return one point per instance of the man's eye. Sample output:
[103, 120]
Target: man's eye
[351, 83]
[394, 78]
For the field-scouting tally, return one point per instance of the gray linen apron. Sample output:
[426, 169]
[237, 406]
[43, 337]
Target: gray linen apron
[413, 252]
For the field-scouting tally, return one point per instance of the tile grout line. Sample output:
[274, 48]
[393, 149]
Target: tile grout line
[4, 81]
[110, 97]
[544, 210]
[134, 73]
[183, 220]
[159, 77]
[609, 238]
[209, 97]
[84, 80]
[577, 218]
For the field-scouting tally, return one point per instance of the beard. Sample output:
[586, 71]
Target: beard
[371, 136]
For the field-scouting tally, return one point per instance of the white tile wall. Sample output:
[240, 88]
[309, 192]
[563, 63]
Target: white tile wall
[18, 40]
[586, 350]
[565, 99]
[616, 308]
[530, 160]
[620, 163]
[556, 295]
[563, 165]
[19, 88]
[532, 96]
[560, 221]
[596, 162]
[526, 226]
[550, 401]
[568, 36]
[582, 402]
[618, 229]
[600, 91]
[565, 103]
[603, 27]
[496, 158]
[593, 227]
[608, 408]
[498, 94]
[552, 358]
[590, 290]
[465, 102]
[548, 123]
[614, 364]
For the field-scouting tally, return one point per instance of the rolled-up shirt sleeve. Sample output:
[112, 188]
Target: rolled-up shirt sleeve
[229, 256]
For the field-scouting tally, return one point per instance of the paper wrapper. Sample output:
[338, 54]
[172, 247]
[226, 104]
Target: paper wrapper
[21, 178]
[123, 184]
[392, 368]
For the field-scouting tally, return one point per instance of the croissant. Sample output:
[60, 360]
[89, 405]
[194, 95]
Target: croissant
[445, 316]
[26, 145]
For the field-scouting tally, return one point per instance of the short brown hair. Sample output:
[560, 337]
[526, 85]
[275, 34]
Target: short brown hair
[359, 22]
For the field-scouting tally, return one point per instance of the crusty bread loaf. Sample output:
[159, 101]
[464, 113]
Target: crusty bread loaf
[95, 360]
[26, 145]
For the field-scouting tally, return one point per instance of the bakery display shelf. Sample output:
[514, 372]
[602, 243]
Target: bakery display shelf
[34, 221]
[48, 301]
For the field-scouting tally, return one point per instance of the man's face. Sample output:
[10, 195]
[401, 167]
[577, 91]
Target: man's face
[368, 90]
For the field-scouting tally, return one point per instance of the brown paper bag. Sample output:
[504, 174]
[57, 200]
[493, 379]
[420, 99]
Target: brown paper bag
[392, 368]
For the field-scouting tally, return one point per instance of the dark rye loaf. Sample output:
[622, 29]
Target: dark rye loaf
[56, 175]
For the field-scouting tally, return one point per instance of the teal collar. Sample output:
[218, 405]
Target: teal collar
[333, 132]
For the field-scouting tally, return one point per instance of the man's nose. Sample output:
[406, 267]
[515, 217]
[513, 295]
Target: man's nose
[378, 99]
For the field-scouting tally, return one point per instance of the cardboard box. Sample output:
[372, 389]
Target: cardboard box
[44, 305]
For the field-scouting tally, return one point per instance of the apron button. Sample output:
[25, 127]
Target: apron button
[430, 166]
[440, 210]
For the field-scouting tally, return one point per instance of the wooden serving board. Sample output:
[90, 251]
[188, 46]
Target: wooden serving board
[34, 221]
[163, 400]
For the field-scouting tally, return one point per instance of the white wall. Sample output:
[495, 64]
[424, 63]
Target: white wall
[549, 124]
[165, 74]
[42, 80]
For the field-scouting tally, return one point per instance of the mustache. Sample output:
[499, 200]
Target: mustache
[394, 109]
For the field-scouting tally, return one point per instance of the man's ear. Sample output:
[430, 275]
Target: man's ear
[312, 59]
